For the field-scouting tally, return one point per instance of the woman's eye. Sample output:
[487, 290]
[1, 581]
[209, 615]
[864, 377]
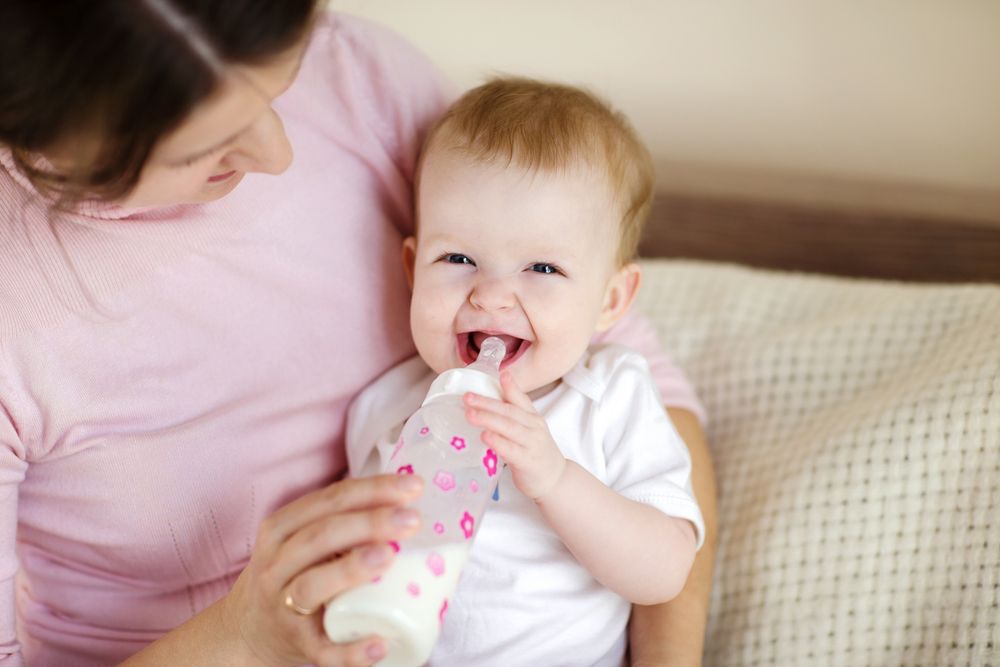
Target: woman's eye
[545, 268]
[456, 258]
[191, 161]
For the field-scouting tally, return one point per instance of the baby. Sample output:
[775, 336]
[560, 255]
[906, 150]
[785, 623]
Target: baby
[530, 202]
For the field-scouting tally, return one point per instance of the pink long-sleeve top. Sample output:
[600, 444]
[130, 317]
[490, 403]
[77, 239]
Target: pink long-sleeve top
[170, 377]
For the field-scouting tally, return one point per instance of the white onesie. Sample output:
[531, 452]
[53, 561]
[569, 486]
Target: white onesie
[522, 598]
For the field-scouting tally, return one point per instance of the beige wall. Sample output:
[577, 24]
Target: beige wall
[741, 94]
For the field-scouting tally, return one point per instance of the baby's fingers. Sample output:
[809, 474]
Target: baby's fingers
[512, 392]
[509, 451]
[500, 424]
[484, 404]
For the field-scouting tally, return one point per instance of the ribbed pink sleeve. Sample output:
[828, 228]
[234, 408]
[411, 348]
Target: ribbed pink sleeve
[12, 469]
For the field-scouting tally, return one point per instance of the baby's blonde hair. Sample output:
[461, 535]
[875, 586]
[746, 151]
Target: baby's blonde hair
[549, 126]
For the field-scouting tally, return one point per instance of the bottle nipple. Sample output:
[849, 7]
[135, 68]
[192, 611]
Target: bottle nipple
[491, 353]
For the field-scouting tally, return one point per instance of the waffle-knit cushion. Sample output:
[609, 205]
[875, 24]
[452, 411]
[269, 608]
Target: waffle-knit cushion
[855, 427]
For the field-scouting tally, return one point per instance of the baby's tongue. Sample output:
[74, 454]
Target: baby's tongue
[510, 342]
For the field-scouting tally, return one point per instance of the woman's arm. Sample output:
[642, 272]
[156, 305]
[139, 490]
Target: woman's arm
[672, 634]
[252, 625]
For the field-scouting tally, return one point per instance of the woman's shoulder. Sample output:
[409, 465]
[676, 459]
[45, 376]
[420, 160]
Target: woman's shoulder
[368, 41]
[372, 66]
[366, 90]
[27, 291]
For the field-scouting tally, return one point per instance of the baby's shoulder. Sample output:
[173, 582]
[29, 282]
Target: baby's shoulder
[410, 377]
[608, 371]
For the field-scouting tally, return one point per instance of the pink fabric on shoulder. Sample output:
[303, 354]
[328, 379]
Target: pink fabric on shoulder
[636, 331]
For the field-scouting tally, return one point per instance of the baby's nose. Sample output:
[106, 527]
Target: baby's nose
[492, 294]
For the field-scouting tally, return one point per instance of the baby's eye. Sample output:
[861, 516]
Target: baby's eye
[541, 267]
[457, 258]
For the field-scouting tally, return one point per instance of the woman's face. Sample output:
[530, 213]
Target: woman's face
[231, 133]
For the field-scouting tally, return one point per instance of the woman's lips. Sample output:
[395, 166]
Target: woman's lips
[221, 177]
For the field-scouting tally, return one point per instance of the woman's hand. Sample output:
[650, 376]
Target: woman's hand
[518, 434]
[308, 552]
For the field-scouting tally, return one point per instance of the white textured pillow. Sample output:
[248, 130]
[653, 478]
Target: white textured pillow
[855, 426]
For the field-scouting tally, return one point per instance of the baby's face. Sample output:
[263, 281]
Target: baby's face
[501, 250]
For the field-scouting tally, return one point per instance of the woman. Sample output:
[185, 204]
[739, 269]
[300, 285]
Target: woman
[177, 353]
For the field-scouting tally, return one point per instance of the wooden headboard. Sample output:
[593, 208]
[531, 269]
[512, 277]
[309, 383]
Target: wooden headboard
[912, 243]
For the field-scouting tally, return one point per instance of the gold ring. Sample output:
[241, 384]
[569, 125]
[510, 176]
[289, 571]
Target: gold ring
[301, 611]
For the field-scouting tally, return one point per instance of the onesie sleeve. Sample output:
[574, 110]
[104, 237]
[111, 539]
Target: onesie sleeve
[645, 458]
[13, 465]
[637, 332]
[376, 416]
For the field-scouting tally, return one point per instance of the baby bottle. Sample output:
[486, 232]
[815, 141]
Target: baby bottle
[407, 604]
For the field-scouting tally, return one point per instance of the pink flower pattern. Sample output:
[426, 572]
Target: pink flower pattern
[444, 608]
[438, 527]
[444, 480]
[474, 486]
[424, 431]
[405, 470]
[394, 545]
[458, 443]
[413, 589]
[435, 563]
[490, 461]
[468, 524]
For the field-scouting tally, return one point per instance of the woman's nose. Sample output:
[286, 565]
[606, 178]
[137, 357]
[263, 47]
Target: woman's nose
[263, 148]
[492, 294]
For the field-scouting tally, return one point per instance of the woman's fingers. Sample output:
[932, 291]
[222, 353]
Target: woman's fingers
[329, 535]
[276, 601]
[343, 496]
[317, 585]
[359, 653]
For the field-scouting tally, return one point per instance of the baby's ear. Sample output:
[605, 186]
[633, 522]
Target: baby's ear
[619, 294]
[409, 257]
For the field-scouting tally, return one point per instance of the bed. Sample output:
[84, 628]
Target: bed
[853, 393]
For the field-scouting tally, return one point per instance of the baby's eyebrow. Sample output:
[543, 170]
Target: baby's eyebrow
[446, 239]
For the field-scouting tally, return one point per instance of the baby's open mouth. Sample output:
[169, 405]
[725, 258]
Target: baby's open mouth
[470, 341]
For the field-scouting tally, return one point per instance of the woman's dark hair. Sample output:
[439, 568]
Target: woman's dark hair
[125, 72]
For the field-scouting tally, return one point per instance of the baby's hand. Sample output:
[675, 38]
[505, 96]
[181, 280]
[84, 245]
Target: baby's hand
[518, 435]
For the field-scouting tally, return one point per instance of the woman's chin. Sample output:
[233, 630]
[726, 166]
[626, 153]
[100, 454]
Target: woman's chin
[208, 192]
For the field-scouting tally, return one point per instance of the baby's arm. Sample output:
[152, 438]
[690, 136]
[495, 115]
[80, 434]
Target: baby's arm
[630, 547]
